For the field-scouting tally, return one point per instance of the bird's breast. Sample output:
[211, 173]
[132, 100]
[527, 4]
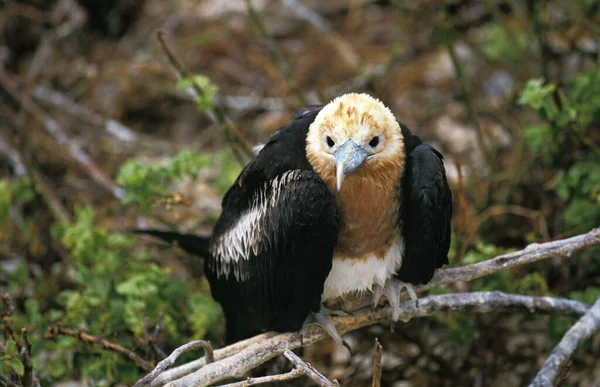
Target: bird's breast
[369, 218]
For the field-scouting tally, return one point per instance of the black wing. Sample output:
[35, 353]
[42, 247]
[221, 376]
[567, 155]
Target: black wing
[426, 212]
[272, 247]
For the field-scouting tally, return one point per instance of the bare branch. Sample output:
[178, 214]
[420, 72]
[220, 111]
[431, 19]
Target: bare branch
[240, 363]
[308, 369]
[560, 356]
[236, 360]
[60, 136]
[118, 130]
[163, 365]
[293, 374]
[278, 58]
[56, 330]
[219, 354]
[377, 364]
[237, 142]
[13, 157]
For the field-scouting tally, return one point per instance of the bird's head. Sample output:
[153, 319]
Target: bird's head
[355, 135]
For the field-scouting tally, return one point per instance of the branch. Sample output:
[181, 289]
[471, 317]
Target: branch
[559, 357]
[308, 369]
[533, 253]
[377, 364]
[278, 58]
[163, 365]
[293, 374]
[238, 145]
[60, 136]
[240, 363]
[237, 359]
[219, 354]
[56, 330]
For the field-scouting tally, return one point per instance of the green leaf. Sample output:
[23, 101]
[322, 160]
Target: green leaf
[10, 348]
[17, 366]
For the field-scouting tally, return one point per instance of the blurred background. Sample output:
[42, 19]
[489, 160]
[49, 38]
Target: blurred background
[98, 136]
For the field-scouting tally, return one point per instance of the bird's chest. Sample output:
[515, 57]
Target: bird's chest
[369, 218]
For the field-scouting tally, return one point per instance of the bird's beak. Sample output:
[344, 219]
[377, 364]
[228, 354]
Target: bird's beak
[348, 157]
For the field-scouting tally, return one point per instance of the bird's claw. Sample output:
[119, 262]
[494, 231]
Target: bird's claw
[392, 290]
[323, 319]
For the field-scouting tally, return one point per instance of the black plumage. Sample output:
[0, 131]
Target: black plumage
[272, 248]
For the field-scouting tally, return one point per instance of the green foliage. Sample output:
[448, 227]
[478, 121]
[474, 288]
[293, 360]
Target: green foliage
[10, 362]
[498, 44]
[115, 288]
[14, 191]
[567, 116]
[147, 184]
[204, 88]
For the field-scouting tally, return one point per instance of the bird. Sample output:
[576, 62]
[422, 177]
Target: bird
[342, 200]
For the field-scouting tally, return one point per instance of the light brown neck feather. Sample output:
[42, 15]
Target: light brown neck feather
[369, 203]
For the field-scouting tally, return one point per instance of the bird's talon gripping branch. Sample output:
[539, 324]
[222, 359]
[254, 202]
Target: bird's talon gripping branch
[323, 319]
[377, 293]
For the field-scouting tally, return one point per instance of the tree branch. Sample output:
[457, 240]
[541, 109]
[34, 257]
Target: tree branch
[166, 363]
[559, 357]
[60, 136]
[377, 364]
[240, 363]
[293, 374]
[55, 330]
[308, 369]
[236, 360]
[533, 253]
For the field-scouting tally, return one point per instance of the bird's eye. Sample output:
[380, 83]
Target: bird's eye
[330, 142]
[374, 142]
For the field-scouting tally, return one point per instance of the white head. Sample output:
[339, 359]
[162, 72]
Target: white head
[355, 134]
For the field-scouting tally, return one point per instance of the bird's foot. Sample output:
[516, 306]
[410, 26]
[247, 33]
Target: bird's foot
[323, 319]
[392, 290]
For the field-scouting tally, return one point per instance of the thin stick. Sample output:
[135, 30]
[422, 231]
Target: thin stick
[308, 369]
[169, 361]
[293, 374]
[52, 127]
[219, 354]
[377, 364]
[558, 359]
[56, 330]
[216, 114]
[278, 58]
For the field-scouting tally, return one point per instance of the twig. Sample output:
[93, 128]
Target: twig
[377, 364]
[308, 369]
[478, 302]
[470, 106]
[60, 136]
[293, 374]
[238, 145]
[166, 363]
[29, 378]
[13, 157]
[116, 129]
[56, 330]
[584, 328]
[219, 354]
[278, 58]
[7, 382]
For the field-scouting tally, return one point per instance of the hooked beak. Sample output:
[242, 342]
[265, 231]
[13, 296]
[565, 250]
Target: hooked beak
[348, 157]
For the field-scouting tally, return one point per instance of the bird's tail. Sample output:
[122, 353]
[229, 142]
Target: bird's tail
[194, 244]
